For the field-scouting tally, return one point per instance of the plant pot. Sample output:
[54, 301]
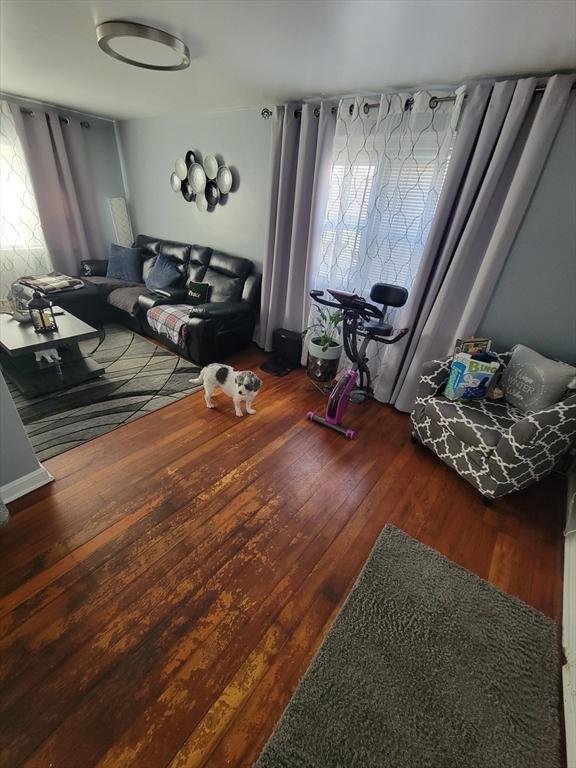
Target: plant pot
[323, 363]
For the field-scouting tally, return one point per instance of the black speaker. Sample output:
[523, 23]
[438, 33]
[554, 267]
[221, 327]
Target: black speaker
[287, 345]
[286, 352]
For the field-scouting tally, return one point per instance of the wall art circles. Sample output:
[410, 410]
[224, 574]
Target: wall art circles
[187, 192]
[197, 178]
[212, 193]
[224, 179]
[211, 166]
[206, 182]
[181, 168]
[175, 182]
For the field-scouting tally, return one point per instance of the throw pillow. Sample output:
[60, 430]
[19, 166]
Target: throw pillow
[163, 275]
[532, 382]
[198, 293]
[125, 263]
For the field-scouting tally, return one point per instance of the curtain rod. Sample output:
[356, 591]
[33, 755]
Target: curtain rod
[63, 120]
[434, 100]
[433, 103]
[24, 102]
[267, 113]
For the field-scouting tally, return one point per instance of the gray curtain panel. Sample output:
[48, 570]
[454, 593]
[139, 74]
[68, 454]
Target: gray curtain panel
[504, 138]
[300, 165]
[62, 179]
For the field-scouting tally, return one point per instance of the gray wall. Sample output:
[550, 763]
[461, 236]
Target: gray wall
[535, 300]
[17, 458]
[149, 148]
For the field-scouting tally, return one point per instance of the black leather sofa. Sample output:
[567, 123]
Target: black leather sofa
[215, 330]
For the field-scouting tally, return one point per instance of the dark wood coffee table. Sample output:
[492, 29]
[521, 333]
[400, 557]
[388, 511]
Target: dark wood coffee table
[19, 342]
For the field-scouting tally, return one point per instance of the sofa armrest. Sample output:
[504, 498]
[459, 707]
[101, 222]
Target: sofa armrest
[559, 420]
[434, 375]
[93, 267]
[251, 290]
[170, 296]
[220, 310]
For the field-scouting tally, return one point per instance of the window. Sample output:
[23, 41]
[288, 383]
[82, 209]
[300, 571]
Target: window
[386, 179]
[341, 236]
[23, 249]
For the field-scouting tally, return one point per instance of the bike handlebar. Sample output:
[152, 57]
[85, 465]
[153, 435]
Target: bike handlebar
[316, 296]
[393, 339]
[360, 306]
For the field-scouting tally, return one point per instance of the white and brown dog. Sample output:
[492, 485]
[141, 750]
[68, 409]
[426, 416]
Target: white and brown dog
[239, 385]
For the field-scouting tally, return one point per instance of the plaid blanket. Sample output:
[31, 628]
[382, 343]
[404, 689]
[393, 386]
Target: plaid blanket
[171, 321]
[51, 283]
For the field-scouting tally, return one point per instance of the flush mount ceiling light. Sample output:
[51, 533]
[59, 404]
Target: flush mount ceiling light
[142, 46]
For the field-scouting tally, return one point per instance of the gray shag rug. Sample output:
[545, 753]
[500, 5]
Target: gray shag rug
[425, 665]
[140, 377]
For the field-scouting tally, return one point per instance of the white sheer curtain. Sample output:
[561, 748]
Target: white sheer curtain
[388, 169]
[23, 250]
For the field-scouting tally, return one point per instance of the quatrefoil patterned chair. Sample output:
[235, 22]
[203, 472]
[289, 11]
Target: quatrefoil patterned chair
[494, 446]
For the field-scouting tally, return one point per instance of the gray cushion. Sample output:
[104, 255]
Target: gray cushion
[476, 423]
[107, 284]
[532, 382]
[165, 274]
[126, 299]
[125, 263]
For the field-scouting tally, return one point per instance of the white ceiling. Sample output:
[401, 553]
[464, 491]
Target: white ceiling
[261, 52]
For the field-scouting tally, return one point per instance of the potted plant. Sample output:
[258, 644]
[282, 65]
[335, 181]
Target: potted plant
[324, 347]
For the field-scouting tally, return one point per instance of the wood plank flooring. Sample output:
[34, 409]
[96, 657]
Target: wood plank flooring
[161, 599]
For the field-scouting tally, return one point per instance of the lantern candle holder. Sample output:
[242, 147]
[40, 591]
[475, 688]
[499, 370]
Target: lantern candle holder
[42, 314]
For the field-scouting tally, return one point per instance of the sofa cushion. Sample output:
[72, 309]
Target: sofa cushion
[226, 274]
[125, 263]
[126, 298]
[233, 266]
[199, 260]
[107, 284]
[150, 249]
[476, 423]
[179, 253]
[166, 273]
[150, 246]
[532, 382]
[224, 288]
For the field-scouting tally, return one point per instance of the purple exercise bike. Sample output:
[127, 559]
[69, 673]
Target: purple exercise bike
[364, 320]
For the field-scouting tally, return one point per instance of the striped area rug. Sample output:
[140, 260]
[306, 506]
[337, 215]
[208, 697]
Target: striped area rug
[140, 377]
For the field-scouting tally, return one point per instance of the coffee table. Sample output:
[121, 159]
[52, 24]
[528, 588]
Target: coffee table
[19, 342]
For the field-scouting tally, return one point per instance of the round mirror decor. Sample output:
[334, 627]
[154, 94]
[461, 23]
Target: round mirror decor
[204, 180]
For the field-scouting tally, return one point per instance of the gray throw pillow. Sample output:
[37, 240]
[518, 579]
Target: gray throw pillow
[532, 382]
[164, 275]
[125, 263]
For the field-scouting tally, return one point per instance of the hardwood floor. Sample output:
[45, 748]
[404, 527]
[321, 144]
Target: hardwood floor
[160, 600]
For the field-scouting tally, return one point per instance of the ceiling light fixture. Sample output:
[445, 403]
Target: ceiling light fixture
[142, 46]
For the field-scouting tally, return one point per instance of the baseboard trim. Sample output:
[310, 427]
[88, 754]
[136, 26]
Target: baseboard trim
[25, 484]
